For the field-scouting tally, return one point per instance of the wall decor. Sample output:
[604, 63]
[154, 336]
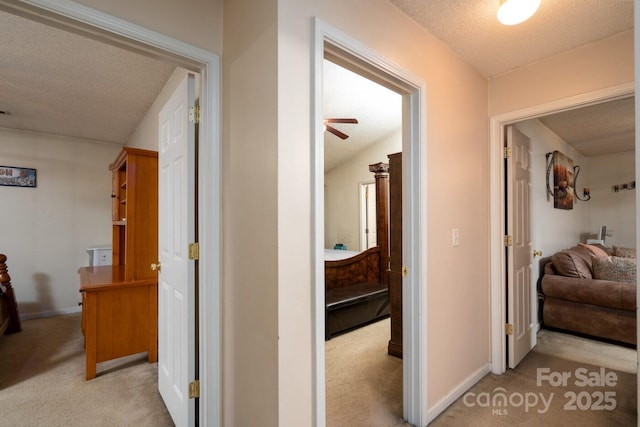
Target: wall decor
[17, 177]
[562, 192]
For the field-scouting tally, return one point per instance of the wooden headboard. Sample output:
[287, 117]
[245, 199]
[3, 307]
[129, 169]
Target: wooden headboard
[370, 266]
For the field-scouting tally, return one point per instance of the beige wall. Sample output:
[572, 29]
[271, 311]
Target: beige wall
[595, 66]
[197, 22]
[250, 217]
[46, 230]
[145, 135]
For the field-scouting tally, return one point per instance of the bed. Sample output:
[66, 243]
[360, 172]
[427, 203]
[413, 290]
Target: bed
[356, 283]
[9, 319]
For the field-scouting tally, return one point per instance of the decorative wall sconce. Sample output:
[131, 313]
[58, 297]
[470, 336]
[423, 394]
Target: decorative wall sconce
[586, 191]
[626, 186]
[565, 179]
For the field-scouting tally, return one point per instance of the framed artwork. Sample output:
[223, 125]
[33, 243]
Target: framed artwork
[17, 177]
[562, 181]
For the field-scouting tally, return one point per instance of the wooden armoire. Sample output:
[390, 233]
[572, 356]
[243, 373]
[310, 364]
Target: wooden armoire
[395, 253]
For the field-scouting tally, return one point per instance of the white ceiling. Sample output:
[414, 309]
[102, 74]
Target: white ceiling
[56, 82]
[348, 95]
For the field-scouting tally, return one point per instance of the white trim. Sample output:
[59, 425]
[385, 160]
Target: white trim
[415, 401]
[51, 313]
[69, 14]
[496, 127]
[444, 403]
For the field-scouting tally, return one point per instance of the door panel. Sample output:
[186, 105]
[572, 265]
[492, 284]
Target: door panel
[176, 278]
[519, 255]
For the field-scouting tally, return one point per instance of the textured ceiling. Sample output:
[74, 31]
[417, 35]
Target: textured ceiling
[57, 82]
[599, 129]
[470, 28]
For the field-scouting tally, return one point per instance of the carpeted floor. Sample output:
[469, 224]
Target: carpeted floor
[591, 396]
[364, 385]
[42, 381]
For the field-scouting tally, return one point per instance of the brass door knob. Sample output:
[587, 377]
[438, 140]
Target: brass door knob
[155, 266]
[537, 253]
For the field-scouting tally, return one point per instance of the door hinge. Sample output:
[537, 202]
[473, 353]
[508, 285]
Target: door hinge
[508, 329]
[194, 251]
[194, 389]
[508, 240]
[507, 152]
[194, 114]
[405, 271]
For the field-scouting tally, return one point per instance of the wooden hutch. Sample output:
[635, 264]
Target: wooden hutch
[120, 302]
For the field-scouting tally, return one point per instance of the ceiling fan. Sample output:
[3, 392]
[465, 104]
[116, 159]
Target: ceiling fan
[335, 131]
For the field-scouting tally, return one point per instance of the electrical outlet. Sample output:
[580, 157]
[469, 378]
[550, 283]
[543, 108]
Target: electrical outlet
[455, 237]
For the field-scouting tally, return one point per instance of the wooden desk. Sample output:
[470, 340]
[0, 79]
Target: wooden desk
[119, 317]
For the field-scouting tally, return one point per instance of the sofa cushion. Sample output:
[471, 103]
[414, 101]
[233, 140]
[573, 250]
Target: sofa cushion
[615, 268]
[574, 262]
[624, 252]
[595, 250]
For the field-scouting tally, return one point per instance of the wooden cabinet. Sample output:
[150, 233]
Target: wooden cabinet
[135, 212]
[395, 253]
[119, 316]
[120, 302]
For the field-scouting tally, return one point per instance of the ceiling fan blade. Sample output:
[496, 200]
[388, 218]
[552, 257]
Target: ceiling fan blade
[354, 121]
[336, 132]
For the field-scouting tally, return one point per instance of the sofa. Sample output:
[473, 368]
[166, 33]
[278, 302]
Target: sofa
[590, 290]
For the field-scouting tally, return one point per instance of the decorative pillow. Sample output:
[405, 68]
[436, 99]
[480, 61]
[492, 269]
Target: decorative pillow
[615, 268]
[624, 252]
[570, 263]
[595, 250]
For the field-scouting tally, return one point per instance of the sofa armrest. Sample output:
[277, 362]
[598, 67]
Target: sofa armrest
[603, 293]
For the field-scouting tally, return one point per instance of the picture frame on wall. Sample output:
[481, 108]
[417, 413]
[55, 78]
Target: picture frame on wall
[562, 181]
[11, 176]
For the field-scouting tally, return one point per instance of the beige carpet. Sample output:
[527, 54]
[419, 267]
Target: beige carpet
[364, 383]
[42, 381]
[579, 403]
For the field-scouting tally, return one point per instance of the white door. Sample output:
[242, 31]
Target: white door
[368, 229]
[520, 311]
[176, 279]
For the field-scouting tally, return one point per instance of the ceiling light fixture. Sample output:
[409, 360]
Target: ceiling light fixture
[512, 12]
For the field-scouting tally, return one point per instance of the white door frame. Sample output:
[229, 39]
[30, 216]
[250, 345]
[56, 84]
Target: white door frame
[497, 218]
[364, 212]
[372, 65]
[70, 15]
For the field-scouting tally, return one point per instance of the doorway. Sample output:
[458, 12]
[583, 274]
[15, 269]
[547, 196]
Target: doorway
[585, 136]
[337, 47]
[498, 206]
[365, 120]
[111, 30]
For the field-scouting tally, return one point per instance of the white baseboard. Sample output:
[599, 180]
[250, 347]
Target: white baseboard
[462, 388]
[52, 313]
